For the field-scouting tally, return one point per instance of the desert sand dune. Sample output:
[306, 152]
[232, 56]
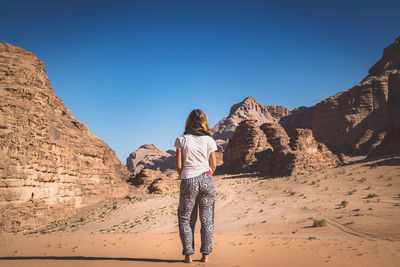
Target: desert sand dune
[259, 222]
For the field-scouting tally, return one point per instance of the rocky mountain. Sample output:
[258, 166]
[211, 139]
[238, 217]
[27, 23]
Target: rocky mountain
[270, 150]
[356, 121]
[248, 109]
[151, 157]
[50, 163]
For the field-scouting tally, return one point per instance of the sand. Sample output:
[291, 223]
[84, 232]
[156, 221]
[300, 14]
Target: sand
[258, 222]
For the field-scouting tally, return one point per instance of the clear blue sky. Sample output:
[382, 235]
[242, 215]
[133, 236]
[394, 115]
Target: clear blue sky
[133, 70]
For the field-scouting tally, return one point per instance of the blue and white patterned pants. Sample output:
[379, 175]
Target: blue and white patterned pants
[196, 193]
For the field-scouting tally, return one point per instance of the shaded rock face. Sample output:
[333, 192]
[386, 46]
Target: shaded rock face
[301, 117]
[390, 144]
[356, 121]
[241, 151]
[248, 109]
[269, 150]
[154, 182]
[50, 163]
[150, 157]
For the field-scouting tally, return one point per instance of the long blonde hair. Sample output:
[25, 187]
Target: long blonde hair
[197, 121]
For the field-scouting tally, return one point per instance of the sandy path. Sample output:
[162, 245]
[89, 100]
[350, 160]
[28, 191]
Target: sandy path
[259, 222]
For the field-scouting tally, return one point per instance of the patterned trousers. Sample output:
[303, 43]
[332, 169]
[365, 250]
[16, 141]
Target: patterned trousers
[196, 193]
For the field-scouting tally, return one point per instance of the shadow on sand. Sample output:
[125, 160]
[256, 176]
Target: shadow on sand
[242, 175]
[83, 258]
[393, 161]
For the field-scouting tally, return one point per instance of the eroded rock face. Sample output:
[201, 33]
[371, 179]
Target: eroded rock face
[241, 151]
[356, 121]
[154, 182]
[248, 109]
[149, 156]
[50, 163]
[269, 150]
[310, 155]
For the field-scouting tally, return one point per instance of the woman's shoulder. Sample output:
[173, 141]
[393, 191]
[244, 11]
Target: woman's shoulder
[208, 139]
[180, 137]
[179, 141]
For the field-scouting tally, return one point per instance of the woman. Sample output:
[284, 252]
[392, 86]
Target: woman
[195, 163]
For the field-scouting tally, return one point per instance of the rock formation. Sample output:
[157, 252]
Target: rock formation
[241, 152]
[149, 156]
[356, 121]
[308, 154]
[154, 182]
[268, 149]
[50, 163]
[248, 109]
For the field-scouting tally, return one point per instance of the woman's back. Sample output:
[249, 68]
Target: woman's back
[196, 153]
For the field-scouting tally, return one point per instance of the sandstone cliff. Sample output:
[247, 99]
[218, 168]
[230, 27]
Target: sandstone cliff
[50, 163]
[357, 120]
[248, 109]
[149, 156]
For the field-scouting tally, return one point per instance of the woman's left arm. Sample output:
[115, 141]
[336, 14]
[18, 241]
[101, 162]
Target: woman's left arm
[213, 162]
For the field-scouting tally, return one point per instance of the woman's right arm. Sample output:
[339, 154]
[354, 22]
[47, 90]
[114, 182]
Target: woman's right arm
[178, 160]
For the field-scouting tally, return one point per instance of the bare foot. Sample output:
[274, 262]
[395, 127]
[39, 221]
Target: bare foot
[188, 259]
[204, 258]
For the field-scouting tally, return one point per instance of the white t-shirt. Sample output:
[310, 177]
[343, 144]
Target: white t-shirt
[196, 151]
